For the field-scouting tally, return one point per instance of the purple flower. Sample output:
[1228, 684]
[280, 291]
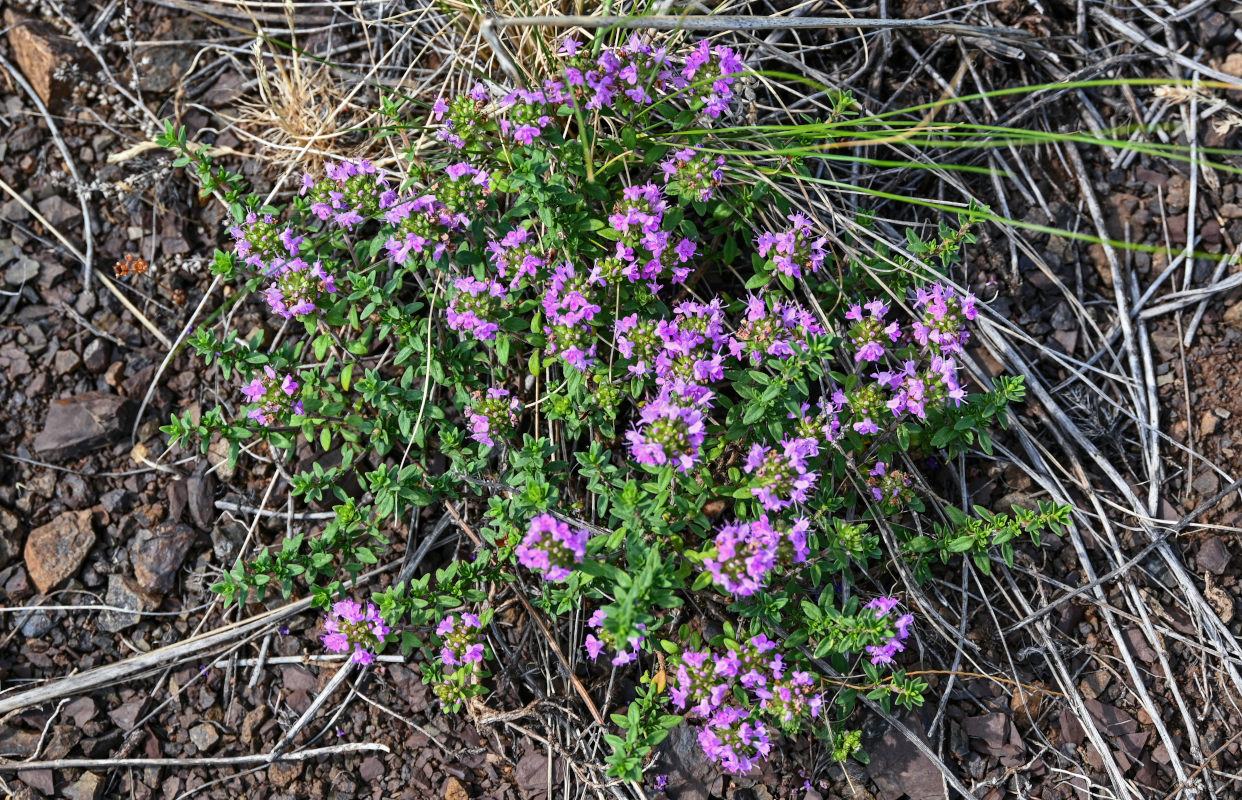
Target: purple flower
[794, 252]
[944, 314]
[274, 395]
[782, 476]
[552, 547]
[475, 307]
[497, 413]
[349, 625]
[746, 552]
[667, 433]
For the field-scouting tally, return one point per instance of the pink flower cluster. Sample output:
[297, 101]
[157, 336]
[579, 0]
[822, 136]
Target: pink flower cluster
[552, 547]
[497, 413]
[596, 642]
[796, 251]
[883, 654]
[733, 734]
[349, 626]
[460, 640]
[782, 476]
[694, 175]
[745, 553]
[274, 395]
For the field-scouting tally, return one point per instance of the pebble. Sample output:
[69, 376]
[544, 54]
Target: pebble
[204, 736]
[96, 355]
[158, 557]
[77, 425]
[55, 551]
[66, 361]
[24, 271]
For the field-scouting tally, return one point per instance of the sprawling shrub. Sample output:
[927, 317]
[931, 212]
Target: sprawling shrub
[568, 308]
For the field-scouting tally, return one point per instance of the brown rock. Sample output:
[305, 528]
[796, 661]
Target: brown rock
[282, 774]
[453, 790]
[897, 767]
[372, 769]
[41, 54]
[64, 738]
[95, 356]
[1213, 556]
[40, 780]
[55, 551]
[202, 497]
[88, 787]
[126, 714]
[1233, 65]
[124, 593]
[204, 736]
[77, 425]
[66, 361]
[82, 711]
[60, 212]
[158, 557]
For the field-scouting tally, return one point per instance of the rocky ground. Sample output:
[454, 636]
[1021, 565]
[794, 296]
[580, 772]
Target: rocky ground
[87, 520]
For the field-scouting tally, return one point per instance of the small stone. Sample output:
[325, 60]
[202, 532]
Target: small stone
[204, 736]
[282, 774]
[113, 375]
[55, 551]
[158, 557]
[88, 787]
[1094, 683]
[41, 54]
[454, 790]
[201, 487]
[126, 715]
[1233, 315]
[66, 361]
[60, 212]
[14, 211]
[1206, 483]
[10, 251]
[82, 710]
[64, 738]
[35, 623]
[1208, 423]
[372, 769]
[1213, 556]
[95, 356]
[24, 271]
[123, 593]
[40, 780]
[77, 425]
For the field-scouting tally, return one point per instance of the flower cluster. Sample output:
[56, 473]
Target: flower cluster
[771, 328]
[782, 476]
[349, 626]
[692, 174]
[350, 193]
[263, 243]
[869, 335]
[601, 638]
[462, 652]
[552, 547]
[706, 686]
[667, 432]
[476, 307]
[497, 413]
[883, 654]
[944, 313]
[794, 252]
[298, 287]
[274, 395]
[746, 552]
[889, 487]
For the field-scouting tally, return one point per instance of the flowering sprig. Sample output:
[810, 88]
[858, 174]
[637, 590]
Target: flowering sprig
[496, 414]
[351, 627]
[275, 396]
[552, 548]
